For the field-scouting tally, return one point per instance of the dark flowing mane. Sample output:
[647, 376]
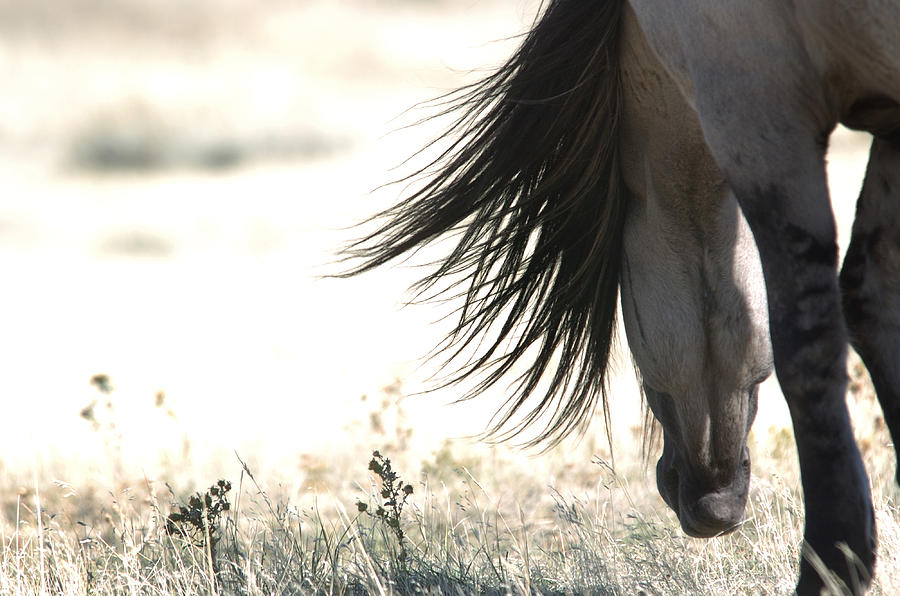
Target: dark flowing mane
[531, 188]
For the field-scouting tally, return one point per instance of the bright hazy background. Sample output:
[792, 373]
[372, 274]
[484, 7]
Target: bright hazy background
[174, 180]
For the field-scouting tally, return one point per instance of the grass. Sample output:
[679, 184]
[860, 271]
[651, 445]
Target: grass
[460, 540]
[398, 530]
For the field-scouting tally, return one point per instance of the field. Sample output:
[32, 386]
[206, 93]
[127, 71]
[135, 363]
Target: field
[176, 179]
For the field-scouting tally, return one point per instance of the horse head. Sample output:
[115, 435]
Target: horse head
[694, 310]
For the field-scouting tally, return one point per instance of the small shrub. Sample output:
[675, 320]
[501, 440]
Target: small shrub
[395, 493]
[198, 522]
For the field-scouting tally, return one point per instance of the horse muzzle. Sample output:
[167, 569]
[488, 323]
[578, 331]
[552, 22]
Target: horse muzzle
[705, 508]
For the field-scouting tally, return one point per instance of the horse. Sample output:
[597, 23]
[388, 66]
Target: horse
[672, 155]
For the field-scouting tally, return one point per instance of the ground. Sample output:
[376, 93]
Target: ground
[176, 181]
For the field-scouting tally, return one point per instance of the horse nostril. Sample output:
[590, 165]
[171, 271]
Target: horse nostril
[667, 483]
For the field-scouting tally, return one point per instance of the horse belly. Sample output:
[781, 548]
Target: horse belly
[857, 45]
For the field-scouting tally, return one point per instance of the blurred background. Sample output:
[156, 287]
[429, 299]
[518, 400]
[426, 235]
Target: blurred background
[175, 178]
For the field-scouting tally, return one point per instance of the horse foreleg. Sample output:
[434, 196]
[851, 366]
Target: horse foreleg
[870, 279]
[776, 169]
[809, 342]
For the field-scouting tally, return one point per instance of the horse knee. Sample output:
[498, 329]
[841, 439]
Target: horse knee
[870, 275]
[805, 381]
[810, 360]
[856, 305]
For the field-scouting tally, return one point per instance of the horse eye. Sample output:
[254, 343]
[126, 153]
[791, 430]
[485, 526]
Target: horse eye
[752, 405]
